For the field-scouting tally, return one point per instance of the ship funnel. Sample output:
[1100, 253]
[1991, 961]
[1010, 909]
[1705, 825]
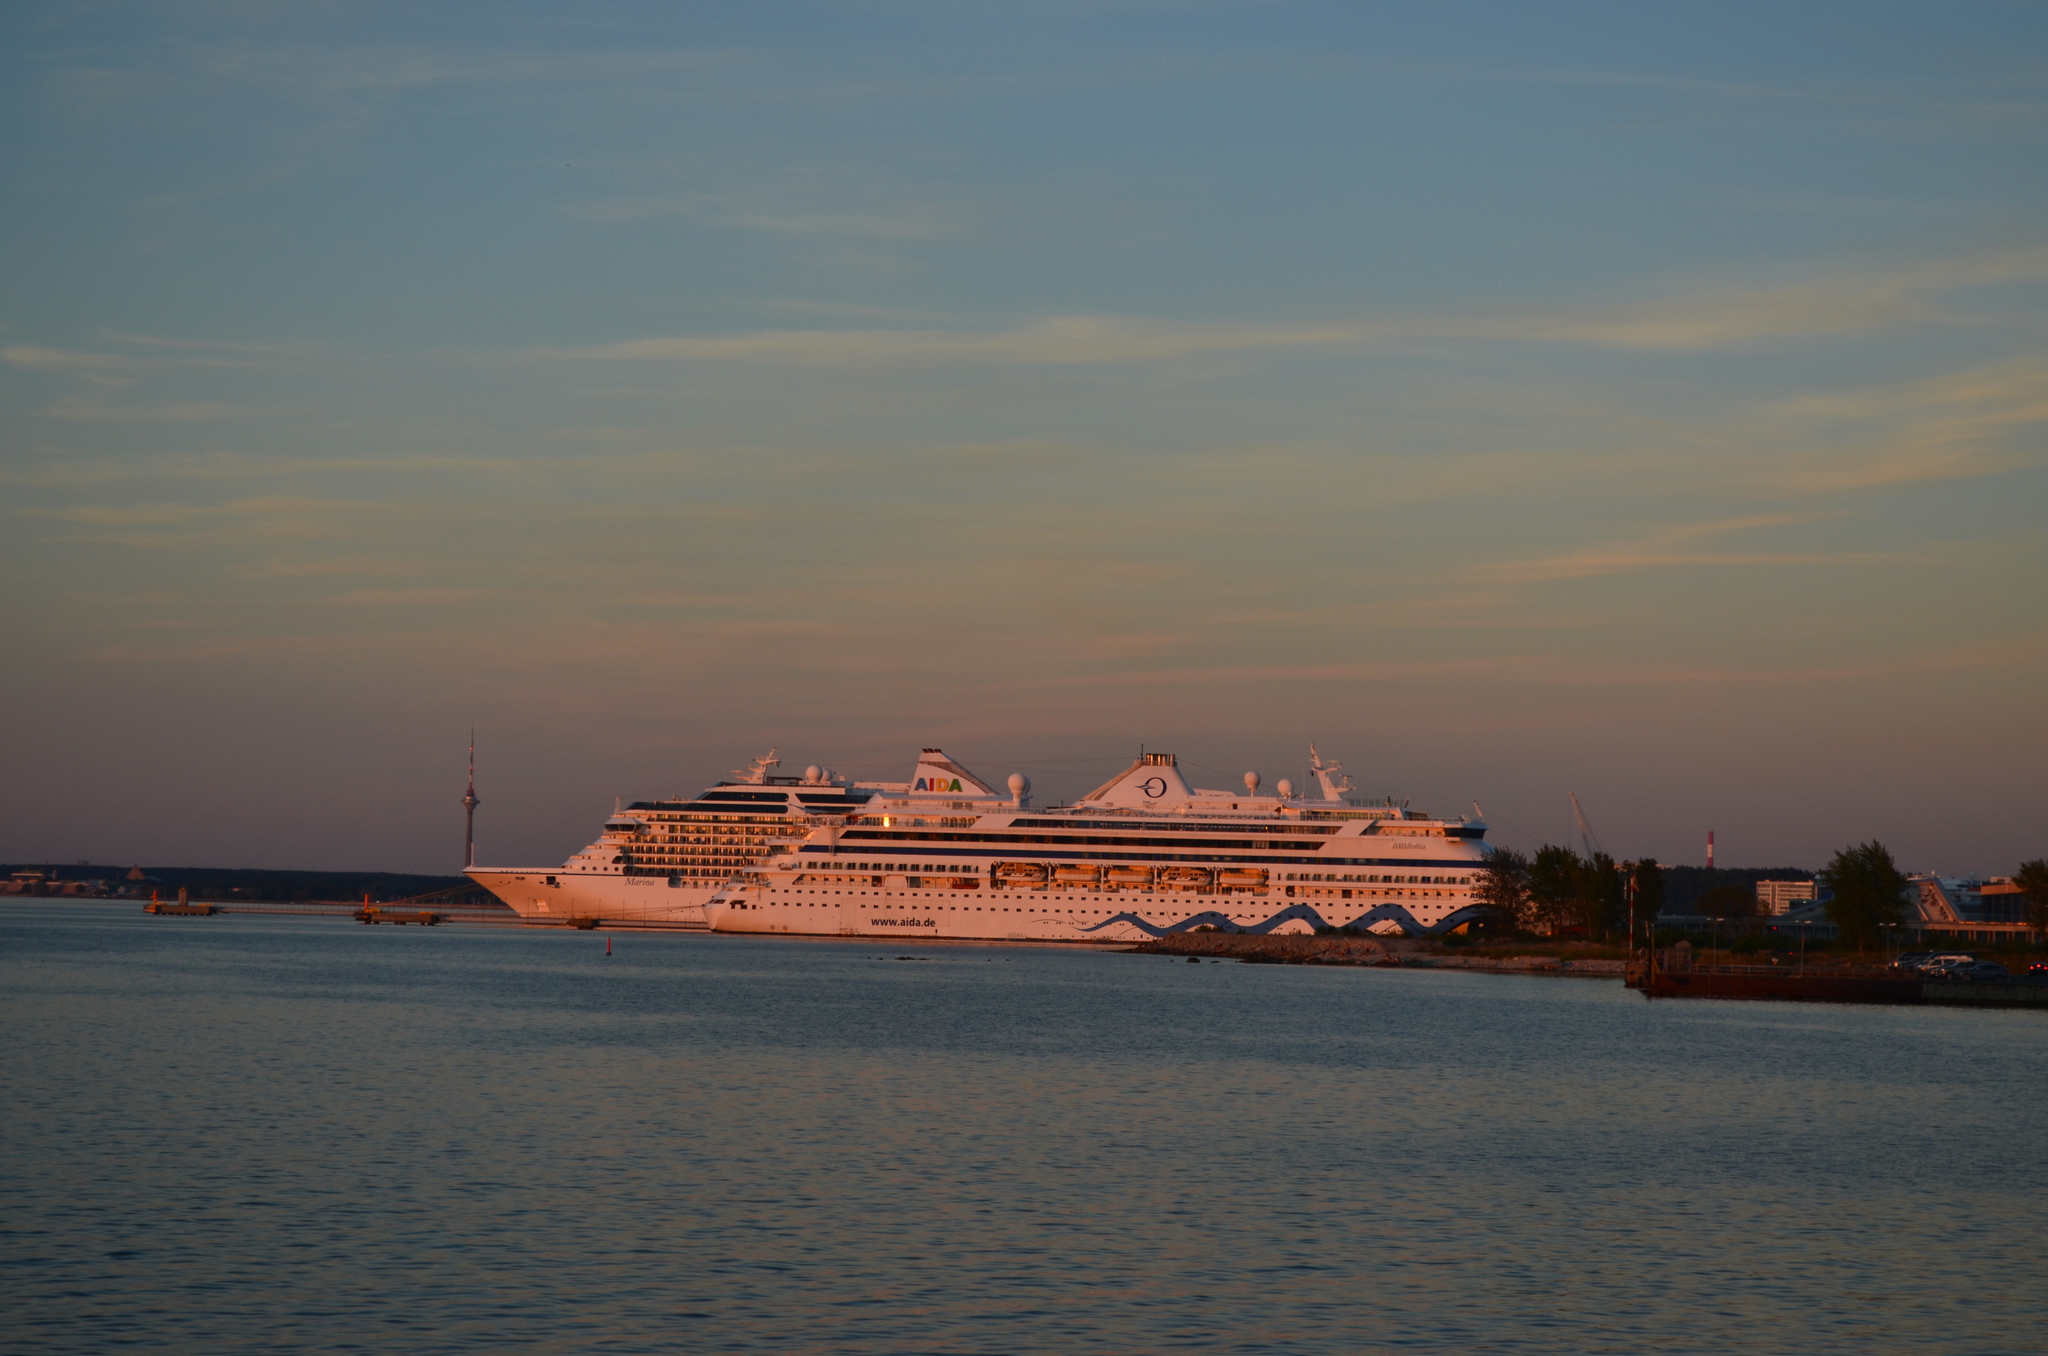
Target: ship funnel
[1154, 780]
[937, 774]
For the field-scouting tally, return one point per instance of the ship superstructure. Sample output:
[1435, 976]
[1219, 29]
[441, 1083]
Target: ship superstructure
[947, 855]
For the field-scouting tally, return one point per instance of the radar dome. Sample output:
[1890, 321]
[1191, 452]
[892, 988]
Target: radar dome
[1019, 784]
[1251, 783]
[1284, 787]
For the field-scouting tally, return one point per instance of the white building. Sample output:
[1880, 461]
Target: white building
[1775, 897]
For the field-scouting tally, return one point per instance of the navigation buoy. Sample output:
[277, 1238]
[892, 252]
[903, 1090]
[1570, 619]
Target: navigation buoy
[607, 946]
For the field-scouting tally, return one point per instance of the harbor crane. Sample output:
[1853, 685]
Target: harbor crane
[1586, 834]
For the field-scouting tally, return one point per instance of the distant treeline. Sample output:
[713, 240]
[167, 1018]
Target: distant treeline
[227, 883]
[1683, 885]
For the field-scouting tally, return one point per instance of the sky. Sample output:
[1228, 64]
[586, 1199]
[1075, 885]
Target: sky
[1646, 402]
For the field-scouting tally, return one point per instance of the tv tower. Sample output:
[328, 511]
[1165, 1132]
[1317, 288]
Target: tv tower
[469, 803]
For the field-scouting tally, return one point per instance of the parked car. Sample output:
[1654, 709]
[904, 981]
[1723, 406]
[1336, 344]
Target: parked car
[1983, 970]
[1942, 963]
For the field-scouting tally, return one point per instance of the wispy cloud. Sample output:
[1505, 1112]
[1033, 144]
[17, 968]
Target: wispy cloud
[1676, 547]
[2008, 653]
[105, 379]
[239, 521]
[37, 358]
[1728, 318]
[1062, 340]
[1844, 303]
[1955, 426]
[727, 212]
[401, 67]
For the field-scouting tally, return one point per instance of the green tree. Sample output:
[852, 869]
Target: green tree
[1599, 894]
[1554, 888]
[1504, 886]
[1649, 882]
[1869, 892]
[2032, 877]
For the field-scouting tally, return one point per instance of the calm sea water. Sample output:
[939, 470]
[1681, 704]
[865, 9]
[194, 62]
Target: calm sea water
[244, 1134]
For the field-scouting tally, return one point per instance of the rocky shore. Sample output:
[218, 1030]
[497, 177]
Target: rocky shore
[1393, 952]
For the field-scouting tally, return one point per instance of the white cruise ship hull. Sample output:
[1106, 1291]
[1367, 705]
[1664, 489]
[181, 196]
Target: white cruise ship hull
[1094, 920]
[545, 895]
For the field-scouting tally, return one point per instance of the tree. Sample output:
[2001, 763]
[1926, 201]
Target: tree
[1554, 881]
[1869, 892]
[1649, 881]
[1504, 886]
[1599, 894]
[2032, 877]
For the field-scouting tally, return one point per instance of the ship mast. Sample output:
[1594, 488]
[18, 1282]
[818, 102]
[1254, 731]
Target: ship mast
[469, 803]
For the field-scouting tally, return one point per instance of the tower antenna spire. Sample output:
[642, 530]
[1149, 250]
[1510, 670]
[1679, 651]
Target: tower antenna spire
[469, 803]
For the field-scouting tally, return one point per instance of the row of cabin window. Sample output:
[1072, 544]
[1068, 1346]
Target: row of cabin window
[1381, 880]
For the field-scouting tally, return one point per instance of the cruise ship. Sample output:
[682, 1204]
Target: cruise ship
[946, 855]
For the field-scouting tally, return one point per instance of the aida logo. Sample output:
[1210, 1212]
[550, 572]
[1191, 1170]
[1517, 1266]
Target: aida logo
[937, 784]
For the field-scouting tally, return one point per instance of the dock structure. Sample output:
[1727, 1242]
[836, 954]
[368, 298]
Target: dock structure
[425, 918]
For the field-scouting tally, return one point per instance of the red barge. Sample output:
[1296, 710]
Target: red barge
[1833, 985]
[1673, 973]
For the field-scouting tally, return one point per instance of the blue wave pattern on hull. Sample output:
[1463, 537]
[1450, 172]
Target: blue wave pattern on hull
[1380, 913]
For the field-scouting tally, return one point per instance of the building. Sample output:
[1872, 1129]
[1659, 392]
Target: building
[1774, 897]
[1967, 908]
[2003, 901]
[1969, 899]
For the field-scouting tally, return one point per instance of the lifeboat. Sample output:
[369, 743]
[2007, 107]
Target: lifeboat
[1021, 873]
[1129, 875]
[1185, 877]
[1078, 873]
[1241, 878]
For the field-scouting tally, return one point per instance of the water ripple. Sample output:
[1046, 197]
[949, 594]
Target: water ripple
[240, 1134]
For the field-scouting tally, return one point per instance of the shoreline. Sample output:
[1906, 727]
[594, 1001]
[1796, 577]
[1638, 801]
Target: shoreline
[1384, 953]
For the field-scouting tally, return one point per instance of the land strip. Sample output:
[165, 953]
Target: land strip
[1374, 951]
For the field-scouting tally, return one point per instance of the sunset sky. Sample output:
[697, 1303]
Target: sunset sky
[1643, 402]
